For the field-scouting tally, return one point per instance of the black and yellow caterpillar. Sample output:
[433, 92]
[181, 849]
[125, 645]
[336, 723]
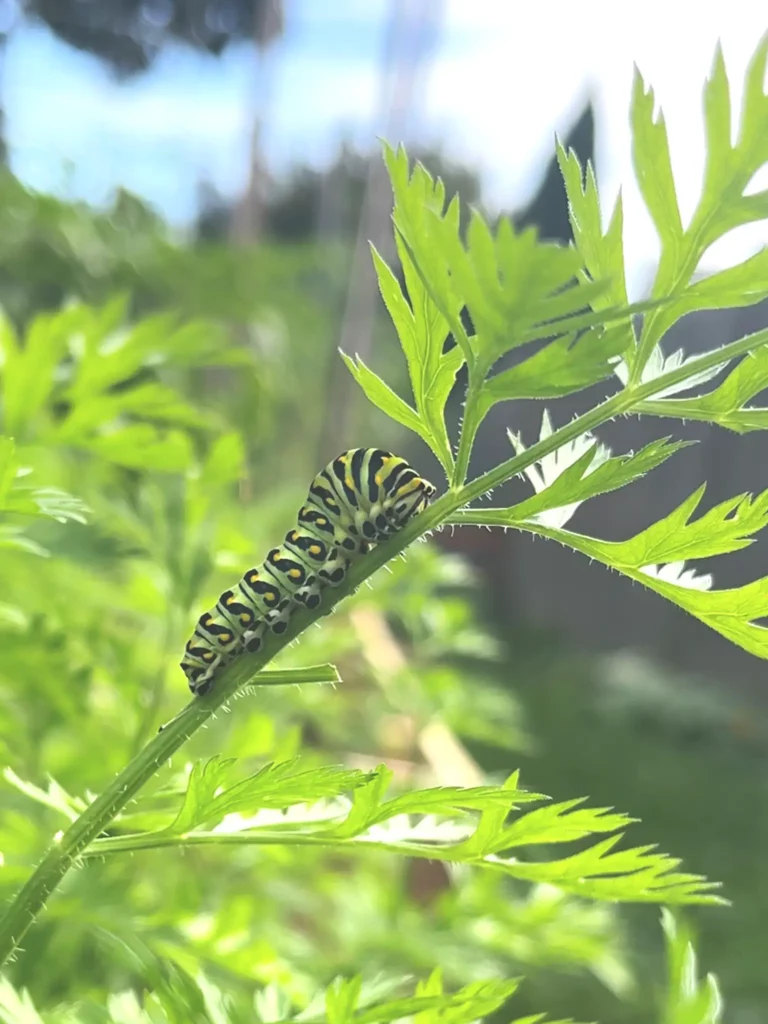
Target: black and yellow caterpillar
[364, 496]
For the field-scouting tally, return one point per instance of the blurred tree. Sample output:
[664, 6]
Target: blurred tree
[331, 198]
[128, 35]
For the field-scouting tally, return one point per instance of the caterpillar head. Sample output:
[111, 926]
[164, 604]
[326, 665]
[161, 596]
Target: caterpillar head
[409, 499]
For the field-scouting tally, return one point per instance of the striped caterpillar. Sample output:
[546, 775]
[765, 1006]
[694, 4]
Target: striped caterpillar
[362, 497]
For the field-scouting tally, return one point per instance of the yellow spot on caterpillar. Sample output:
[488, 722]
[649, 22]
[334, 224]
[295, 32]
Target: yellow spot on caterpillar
[209, 656]
[315, 549]
[295, 535]
[231, 599]
[253, 578]
[245, 618]
[321, 521]
[294, 573]
[224, 638]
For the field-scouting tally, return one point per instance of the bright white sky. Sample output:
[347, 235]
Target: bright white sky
[504, 76]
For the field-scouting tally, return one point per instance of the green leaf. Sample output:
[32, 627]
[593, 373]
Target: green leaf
[653, 167]
[47, 501]
[436, 824]
[370, 809]
[225, 461]
[28, 371]
[559, 823]
[113, 353]
[571, 474]
[145, 401]
[512, 284]
[29, 501]
[742, 285]
[722, 207]
[629, 876]
[55, 796]
[428, 1005]
[562, 367]
[12, 537]
[8, 468]
[603, 253]
[419, 210]
[727, 404]
[422, 330]
[688, 1000]
[656, 558]
[142, 446]
[384, 398]
[717, 126]
[341, 999]
[275, 786]
[16, 1007]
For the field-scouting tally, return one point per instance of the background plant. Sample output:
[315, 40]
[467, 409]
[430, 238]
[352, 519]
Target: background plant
[107, 415]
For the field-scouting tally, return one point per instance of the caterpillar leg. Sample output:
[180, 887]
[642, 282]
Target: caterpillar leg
[200, 664]
[253, 638]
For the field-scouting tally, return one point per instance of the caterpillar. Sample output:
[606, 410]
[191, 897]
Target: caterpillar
[362, 497]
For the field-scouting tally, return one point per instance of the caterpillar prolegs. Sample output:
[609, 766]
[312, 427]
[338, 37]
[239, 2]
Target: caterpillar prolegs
[361, 498]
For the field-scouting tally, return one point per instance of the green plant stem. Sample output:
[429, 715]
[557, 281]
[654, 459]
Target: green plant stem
[449, 852]
[68, 847]
[468, 430]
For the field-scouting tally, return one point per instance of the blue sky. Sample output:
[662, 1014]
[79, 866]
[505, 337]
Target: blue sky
[487, 92]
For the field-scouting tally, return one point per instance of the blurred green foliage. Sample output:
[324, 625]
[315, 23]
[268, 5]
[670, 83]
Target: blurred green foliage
[157, 476]
[162, 397]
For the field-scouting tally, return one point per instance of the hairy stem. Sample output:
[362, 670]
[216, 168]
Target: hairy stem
[468, 432]
[67, 847]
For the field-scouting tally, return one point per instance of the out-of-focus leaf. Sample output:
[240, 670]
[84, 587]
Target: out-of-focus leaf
[688, 1000]
[55, 796]
[13, 537]
[428, 1005]
[141, 446]
[147, 401]
[28, 371]
[8, 468]
[47, 501]
[225, 462]
[17, 1007]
